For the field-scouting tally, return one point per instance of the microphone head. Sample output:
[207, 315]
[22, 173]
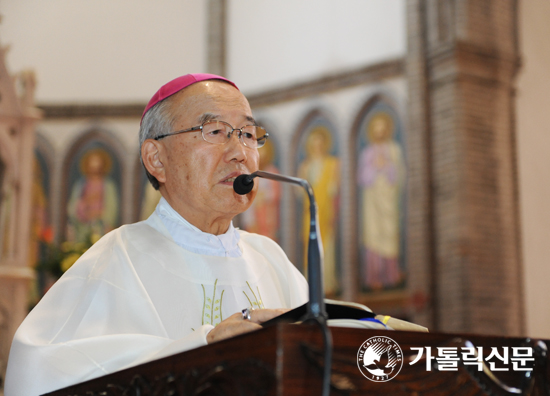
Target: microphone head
[243, 184]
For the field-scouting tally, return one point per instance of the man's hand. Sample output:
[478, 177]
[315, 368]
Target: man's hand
[235, 324]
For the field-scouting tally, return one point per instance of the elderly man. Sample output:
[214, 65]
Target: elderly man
[178, 280]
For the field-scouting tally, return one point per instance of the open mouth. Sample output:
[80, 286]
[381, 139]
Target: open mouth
[232, 176]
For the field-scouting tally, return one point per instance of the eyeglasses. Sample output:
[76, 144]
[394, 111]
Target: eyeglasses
[219, 132]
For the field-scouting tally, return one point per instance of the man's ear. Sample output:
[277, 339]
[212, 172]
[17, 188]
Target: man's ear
[150, 154]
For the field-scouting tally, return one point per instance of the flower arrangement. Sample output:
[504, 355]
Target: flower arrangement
[58, 258]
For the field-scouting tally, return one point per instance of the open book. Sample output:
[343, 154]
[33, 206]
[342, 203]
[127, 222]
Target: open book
[350, 314]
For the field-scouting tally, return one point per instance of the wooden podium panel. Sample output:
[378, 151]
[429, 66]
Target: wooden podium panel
[287, 359]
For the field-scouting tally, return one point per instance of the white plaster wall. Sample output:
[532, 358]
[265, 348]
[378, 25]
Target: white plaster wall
[121, 51]
[342, 107]
[533, 126]
[103, 50]
[274, 43]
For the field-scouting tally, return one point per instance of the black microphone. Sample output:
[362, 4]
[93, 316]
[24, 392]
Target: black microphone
[243, 184]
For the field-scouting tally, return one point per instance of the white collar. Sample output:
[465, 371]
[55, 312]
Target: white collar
[191, 238]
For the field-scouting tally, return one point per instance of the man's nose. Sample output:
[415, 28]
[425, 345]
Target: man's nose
[236, 147]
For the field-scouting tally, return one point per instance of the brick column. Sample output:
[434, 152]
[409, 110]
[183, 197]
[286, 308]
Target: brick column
[464, 251]
[420, 235]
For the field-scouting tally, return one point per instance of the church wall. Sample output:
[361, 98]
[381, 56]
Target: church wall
[129, 48]
[285, 42]
[533, 140]
[103, 51]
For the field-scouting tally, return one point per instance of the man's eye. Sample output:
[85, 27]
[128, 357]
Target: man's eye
[215, 132]
[249, 136]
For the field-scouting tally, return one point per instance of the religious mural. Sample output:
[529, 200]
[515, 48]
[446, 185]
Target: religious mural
[263, 216]
[94, 193]
[381, 182]
[318, 164]
[41, 232]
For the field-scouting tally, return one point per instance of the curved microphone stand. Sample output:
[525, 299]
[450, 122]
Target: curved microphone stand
[316, 311]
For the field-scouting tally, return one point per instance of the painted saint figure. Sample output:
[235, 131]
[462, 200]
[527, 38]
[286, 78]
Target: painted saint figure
[320, 169]
[93, 204]
[381, 175]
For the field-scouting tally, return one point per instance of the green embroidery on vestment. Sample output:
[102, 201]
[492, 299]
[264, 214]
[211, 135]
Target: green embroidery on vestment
[212, 307]
[256, 304]
[212, 302]
[204, 302]
[221, 301]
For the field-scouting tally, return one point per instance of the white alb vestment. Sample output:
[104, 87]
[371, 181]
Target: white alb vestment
[138, 295]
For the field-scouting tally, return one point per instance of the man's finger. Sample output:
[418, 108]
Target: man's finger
[263, 315]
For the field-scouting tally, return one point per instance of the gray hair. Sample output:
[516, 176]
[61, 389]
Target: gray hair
[157, 121]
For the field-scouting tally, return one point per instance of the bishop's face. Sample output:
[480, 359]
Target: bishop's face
[199, 175]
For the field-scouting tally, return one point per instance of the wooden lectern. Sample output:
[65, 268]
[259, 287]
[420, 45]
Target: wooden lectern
[287, 359]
